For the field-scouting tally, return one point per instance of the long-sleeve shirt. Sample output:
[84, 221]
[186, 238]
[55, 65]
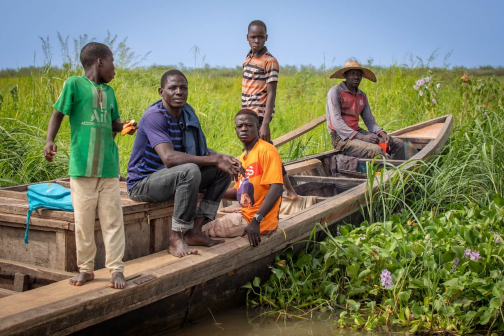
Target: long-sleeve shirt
[343, 109]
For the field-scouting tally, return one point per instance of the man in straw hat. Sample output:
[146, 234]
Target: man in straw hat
[345, 103]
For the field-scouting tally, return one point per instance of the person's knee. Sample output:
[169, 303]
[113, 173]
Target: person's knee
[192, 173]
[373, 150]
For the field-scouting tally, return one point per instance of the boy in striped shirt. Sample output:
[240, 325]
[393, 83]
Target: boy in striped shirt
[259, 84]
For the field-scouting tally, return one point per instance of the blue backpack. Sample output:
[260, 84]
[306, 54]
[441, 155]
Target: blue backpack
[49, 196]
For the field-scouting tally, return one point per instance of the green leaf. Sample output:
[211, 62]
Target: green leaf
[499, 201]
[354, 249]
[364, 274]
[352, 271]
[470, 236]
[247, 285]
[371, 304]
[487, 315]
[417, 310]
[257, 282]
[404, 296]
[469, 316]
[459, 251]
[278, 272]
[495, 303]
[353, 305]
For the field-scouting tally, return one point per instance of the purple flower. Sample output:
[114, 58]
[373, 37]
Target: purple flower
[386, 279]
[497, 240]
[434, 101]
[455, 263]
[416, 87]
[420, 93]
[467, 253]
[338, 233]
[475, 255]
[363, 238]
[438, 85]
[420, 82]
[427, 79]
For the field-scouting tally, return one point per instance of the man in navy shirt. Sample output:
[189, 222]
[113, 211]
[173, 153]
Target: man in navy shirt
[170, 160]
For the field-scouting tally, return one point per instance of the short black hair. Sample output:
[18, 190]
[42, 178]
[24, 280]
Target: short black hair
[169, 73]
[93, 51]
[258, 23]
[247, 111]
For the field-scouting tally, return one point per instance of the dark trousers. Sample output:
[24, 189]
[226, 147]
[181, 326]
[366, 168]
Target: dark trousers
[367, 150]
[182, 184]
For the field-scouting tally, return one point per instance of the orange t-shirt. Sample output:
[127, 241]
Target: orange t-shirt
[263, 167]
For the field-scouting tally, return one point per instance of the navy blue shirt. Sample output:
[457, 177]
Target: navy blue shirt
[156, 126]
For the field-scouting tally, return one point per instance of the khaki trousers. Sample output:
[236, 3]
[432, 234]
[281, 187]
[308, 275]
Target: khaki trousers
[91, 194]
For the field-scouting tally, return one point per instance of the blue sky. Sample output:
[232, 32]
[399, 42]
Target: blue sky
[300, 32]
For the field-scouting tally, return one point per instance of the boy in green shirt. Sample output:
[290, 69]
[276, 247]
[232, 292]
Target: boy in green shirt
[94, 161]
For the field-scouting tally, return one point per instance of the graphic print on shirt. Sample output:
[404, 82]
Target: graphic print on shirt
[96, 150]
[245, 194]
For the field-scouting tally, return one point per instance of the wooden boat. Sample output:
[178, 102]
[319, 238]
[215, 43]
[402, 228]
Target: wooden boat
[164, 292]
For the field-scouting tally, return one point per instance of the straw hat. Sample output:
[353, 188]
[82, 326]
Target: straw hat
[350, 65]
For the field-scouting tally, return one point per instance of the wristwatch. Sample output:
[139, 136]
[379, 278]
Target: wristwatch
[258, 217]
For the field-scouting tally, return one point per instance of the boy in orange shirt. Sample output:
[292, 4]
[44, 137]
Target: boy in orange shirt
[259, 191]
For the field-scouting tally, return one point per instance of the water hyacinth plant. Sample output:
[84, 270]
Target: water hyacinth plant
[415, 275]
[427, 92]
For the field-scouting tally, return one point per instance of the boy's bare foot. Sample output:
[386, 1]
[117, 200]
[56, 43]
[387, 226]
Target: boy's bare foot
[178, 246]
[197, 238]
[81, 278]
[117, 281]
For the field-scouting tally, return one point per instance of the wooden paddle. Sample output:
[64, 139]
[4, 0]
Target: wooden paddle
[298, 131]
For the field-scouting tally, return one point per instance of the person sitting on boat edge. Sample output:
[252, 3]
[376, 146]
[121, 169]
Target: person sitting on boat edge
[345, 103]
[170, 161]
[258, 191]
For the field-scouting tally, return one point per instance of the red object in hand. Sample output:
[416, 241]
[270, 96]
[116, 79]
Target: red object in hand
[384, 146]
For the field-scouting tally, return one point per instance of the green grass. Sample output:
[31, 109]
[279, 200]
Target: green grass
[26, 106]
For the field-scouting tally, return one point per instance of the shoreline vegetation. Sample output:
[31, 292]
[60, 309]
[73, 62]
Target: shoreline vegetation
[429, 255]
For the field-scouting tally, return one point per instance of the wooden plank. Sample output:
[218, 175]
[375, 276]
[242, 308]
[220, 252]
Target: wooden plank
[341, 183]
[298, 131]
[428, 132]
[20, 195]
[34, 221]
[21, 282]
[297, 168]
[11, 267]
[421, 125]
[6, 292]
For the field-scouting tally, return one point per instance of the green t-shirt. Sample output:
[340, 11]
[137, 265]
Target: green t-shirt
[91, 109]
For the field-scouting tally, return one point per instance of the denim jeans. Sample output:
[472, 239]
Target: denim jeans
[182, 184]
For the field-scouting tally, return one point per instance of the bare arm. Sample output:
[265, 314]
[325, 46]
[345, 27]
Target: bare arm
[230, 194]
[171, 158]
[253, 228]
[264, 132]
[50, 148]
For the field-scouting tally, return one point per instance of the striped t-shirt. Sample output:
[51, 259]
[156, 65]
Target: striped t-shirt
[156, 126]
[258, 71]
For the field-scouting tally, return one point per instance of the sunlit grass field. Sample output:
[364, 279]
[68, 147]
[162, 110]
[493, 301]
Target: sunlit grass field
[26, 105]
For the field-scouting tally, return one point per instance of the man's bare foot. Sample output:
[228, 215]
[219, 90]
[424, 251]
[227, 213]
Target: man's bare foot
[290, 195]
[178, 246]
[117, 281]
[197, 238]
[81, 278]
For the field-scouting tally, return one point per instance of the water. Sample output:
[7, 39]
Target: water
[248, 323]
